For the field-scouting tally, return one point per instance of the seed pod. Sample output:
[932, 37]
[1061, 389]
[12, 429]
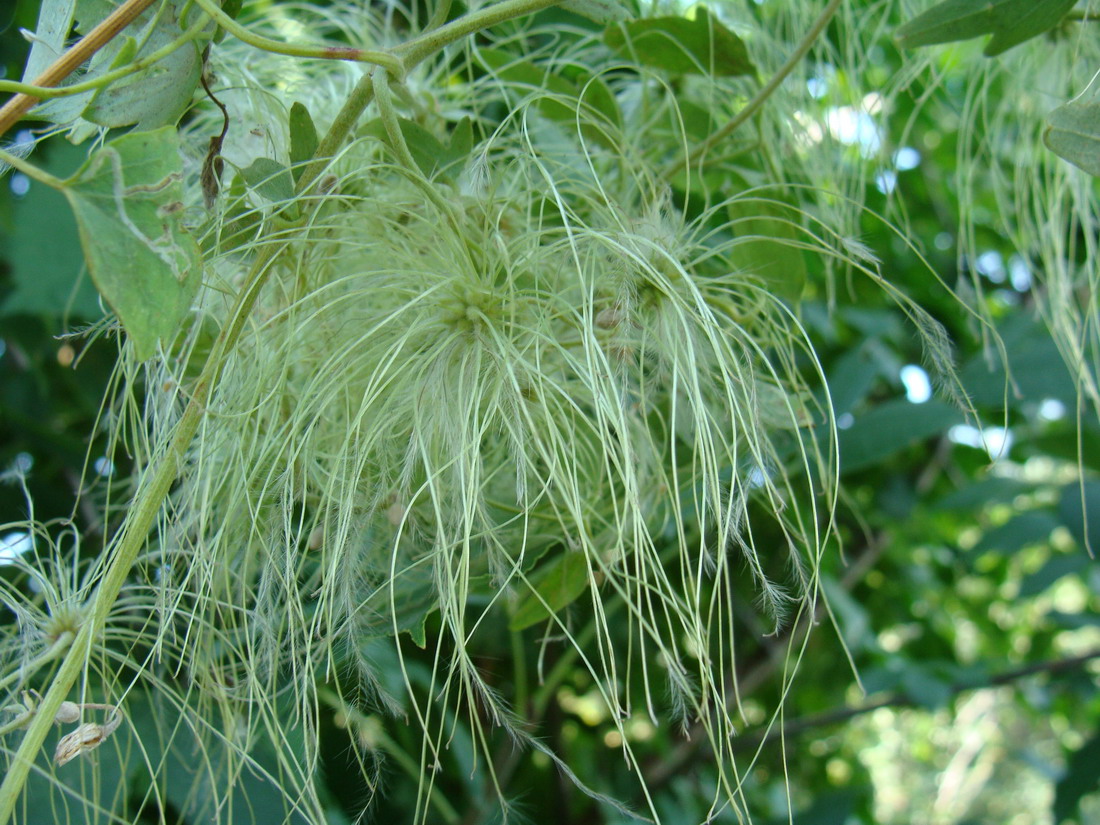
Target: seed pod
[87, 737]
[68, 713]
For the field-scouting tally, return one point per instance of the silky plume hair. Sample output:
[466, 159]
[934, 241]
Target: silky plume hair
[543, 358]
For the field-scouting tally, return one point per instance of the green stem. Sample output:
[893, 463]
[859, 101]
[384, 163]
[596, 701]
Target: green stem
[428, 43]
[563, 667]
[353, 108]
[18, 722]
[389, 120]
[151, 495]
[751, 108]
[380, 58]
[60, 644]
[30, 170]
[98, 82]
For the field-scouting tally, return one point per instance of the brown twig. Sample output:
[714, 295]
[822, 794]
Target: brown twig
[71, 60]
[754, 739]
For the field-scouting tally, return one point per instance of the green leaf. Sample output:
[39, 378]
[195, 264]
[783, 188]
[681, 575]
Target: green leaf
[851, 378]
[155, 96]
[1057, 567]
[55, 19]
[233, 9]
[682, 46]
[834, 807]
[241, 221]
[509, 69]
[777, 407]
[1081, 778]
[890, 428]
[1073, 133]
[853, 621]
[1068, 441]
[1038, 369]
[599, 11]
[568, 96]
[458, 147]
[595, 96]
[1079, 508]
[424, 147]
[1011, 22]
[128, 203]
[195, 788]
[270, 179]
[127, 51]
[766, 233]
[1022, 531]
[557, 585]
[987, 491]
[303, 137]
[1073, 621]
[923, 687]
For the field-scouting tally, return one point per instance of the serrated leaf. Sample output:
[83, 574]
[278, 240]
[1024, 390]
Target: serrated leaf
[682, 46]
[128, 203]
[1011, 22]
[1073, 133]
[303, 137]
[558, 584]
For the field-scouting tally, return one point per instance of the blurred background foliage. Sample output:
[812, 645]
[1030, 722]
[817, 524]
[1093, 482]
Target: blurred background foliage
[966, 593]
